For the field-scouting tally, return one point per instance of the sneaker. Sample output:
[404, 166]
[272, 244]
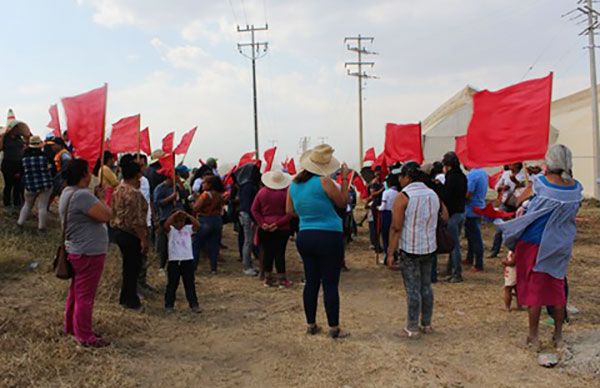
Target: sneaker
[476, 270]
[213, 272]
[455, 279]
[285, 283]
[196, 309]
[250, 272]
[269, 282]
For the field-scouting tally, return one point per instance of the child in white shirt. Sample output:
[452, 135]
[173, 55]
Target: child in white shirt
[181, 259]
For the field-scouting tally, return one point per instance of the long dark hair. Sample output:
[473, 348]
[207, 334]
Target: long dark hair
[105, 158]
[303, 176]
[215, 183]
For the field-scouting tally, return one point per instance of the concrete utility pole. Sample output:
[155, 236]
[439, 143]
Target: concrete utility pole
[585, 9]
[303, 145]
[360, 74]
[255, 54]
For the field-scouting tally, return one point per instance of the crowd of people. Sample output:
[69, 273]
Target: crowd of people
[128, 202]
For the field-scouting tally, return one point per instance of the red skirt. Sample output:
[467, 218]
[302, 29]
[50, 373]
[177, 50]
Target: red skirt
[536, 288]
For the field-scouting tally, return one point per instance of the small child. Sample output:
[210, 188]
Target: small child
[181, 259]
[510, 281]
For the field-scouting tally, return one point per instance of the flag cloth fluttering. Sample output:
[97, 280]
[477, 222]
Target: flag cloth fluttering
[491, 213]
[510, 125]
[54, 122]
[167, 165]
[145, 141]
[124, 135]
[185, 142]
[269, 156]
[85, 114]
[493, 179]
[248, 157]
[355, 180]
[381, 162]
[370, 155]
[289, 166]
[460, 148]
[403, 143]
[167, 143]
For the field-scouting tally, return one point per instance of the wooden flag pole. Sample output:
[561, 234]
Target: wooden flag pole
[139, 151]
[100, 173]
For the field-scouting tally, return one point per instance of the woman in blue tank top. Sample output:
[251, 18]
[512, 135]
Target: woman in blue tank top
[313, 197]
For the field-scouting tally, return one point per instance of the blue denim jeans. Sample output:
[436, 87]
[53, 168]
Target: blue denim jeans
[455, 225]
[416, 271]
[208, 237]
[475, 241]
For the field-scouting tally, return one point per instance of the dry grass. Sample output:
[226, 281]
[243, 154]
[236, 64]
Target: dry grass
[252, 336]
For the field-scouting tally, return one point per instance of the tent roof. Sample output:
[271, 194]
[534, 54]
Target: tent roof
[456, 102]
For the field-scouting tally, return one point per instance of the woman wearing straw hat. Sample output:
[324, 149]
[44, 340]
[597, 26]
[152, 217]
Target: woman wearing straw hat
[38, 182]
[313, 197]
[268, 209]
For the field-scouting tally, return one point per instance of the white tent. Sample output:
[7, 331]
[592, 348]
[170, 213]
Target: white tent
[572, 115]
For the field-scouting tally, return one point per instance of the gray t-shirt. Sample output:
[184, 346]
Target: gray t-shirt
[84, 236]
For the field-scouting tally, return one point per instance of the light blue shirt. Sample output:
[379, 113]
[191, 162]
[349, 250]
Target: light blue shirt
[477, 185]
[313, 206]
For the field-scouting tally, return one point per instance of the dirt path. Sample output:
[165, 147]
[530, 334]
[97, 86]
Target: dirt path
[252, 336]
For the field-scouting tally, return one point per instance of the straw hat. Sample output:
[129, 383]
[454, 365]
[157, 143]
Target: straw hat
[36, 142]
[157, 154]
[320, 160]
[276, 180]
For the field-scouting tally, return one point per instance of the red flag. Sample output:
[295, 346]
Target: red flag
[460, 148]
[403, 143]
[291, 167]
[54, 122]
[360, 186]
[370, 155]
[490, 212]
[269, 156]
[85, 122]
[228, 177]
[185, 142]
[167, 143]
[248, 157]
[511, 124]
[124, 135]
[145, 141]
[493, 179]
[382, 163]
[167, 165]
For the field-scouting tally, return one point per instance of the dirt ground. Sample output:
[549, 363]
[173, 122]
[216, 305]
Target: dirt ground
[252, 336]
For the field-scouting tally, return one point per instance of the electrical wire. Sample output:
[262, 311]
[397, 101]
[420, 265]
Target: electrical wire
[233, 12]
[244, 10]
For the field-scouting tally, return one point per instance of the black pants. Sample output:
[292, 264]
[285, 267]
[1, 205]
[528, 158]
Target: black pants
[184, 270]
[12, 171]
[375, 230]
[131, 250]
[162, 244]
[273, 245]
[322, 253]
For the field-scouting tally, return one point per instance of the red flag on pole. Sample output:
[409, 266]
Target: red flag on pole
[167, 143]
[248, 157]
[85, 122]
[381, 162]
[54, 122]
[493, 179]
[185, 142]
[291, 167]
[403, 143]
[167, 165]
[490, 212]
[512, 124]
[124, 135]
[269, 156]
[370, 155]
[145, 141]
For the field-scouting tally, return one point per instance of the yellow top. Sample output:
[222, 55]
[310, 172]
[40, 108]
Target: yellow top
[109, 179]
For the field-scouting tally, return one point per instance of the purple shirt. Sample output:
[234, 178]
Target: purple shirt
[269, 208]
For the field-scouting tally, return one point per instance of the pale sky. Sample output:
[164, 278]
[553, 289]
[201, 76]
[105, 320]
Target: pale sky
[176, 63]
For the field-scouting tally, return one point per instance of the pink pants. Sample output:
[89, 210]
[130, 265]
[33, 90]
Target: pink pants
[87, 271]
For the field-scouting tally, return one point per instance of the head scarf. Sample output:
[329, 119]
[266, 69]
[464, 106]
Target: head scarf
[559, 160]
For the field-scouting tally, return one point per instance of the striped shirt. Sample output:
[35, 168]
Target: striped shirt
[420, 220]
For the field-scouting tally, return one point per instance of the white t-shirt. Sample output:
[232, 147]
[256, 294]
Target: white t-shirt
[506, 181]
[441, 178]
[145, 189]
[180, 244]
[388, 198]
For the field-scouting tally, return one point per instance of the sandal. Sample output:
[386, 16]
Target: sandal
[338, 333]
[426, 329]
[313, 330]
[405, 333]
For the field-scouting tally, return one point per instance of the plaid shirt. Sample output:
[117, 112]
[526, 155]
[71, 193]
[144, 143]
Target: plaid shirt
[36, 171]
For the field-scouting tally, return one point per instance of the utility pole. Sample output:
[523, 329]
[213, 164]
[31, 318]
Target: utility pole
[360, 75]
[303, 145]
[586, 8]
[255, 54]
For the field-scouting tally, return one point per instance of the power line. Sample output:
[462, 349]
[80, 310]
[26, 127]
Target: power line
[233, 12]
[255, 53]
[360, 75]
[244, 10]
